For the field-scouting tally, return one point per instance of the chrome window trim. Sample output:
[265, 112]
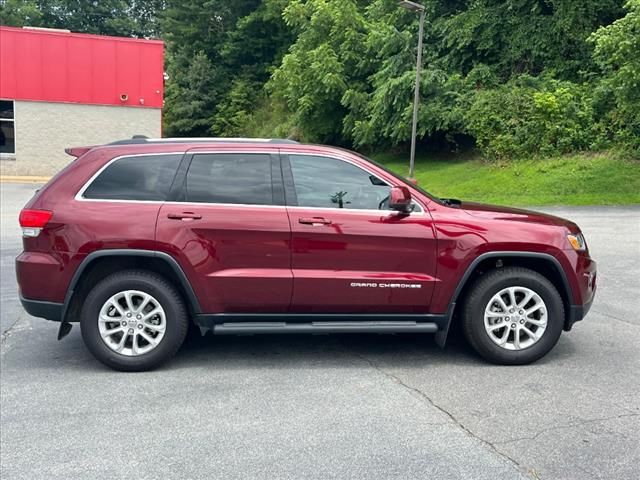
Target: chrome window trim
[220, 140]
[80, 195]
[358, 210]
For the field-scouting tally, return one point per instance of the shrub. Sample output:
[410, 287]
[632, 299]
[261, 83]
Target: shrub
[617, 53]
[533, 116]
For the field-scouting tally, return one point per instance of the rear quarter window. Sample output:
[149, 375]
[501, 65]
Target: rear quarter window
[140, 177]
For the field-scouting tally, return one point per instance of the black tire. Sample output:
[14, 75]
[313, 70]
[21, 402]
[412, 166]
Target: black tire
[177, 319]
[483, 291]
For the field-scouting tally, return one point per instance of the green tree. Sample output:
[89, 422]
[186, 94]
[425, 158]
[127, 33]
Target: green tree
[617, 53]
[322, 65]
[517, 37]
[190, 98]
[238, 41]
[258, 40]
[518, 77]
[348, 77]
[191, 26]
[134, 18]
[17, 13]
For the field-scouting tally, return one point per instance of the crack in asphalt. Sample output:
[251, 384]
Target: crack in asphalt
[10, 331]
[422, 395]
[569, 426]
[7, 332]
[615, 318]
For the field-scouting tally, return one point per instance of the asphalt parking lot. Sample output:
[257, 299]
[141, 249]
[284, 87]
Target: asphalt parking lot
[373, 406]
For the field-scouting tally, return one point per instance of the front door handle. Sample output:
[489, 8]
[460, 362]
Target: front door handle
[184, 216]
[314, 221]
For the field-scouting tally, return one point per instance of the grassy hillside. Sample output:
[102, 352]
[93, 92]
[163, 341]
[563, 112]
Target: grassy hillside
[582, 179]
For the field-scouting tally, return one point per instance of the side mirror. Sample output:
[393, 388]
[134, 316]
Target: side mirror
[400, 199]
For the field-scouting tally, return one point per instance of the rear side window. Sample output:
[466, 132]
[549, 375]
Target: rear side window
[239, 178]
[142, 177]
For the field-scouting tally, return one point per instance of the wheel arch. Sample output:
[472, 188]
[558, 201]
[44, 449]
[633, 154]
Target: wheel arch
[99, 264]
[543, 263]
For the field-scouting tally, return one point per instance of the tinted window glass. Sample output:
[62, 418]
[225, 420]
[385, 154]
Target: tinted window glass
[7, 137]
[6, 109]
[7, 129]
[230, 178]
[332, 183]
[146, 177]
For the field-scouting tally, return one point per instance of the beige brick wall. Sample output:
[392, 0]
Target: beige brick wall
[44, 130]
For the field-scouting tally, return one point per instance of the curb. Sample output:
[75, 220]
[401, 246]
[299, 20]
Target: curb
[23, 179]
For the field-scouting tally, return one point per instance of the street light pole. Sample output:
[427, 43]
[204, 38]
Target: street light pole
[415, 7]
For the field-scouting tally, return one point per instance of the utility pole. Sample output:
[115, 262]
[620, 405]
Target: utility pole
[417, 8]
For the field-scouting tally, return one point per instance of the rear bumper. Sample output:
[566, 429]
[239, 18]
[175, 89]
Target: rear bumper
[577, 313]
[46, 276]
[42, 309]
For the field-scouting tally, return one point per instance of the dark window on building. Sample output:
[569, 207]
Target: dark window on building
[143, 177]
[230, 178]
[7, 128]
[332, 183]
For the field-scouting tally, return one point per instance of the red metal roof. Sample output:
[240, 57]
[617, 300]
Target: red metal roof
[56, 66]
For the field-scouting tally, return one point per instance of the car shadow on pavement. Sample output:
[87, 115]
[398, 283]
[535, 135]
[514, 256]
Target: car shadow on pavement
[310, 351]
[236, 352]
[335, 351]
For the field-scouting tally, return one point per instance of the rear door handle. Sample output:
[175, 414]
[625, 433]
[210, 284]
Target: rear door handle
[314, 221]
[184, 216]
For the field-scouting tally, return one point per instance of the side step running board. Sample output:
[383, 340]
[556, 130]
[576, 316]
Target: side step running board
[235, 328]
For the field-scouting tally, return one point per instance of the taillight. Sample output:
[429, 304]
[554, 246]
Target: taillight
[33, 221]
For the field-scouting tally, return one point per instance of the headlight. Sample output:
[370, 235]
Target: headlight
[577, 241]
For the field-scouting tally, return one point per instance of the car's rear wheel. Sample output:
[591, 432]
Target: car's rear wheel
[513, 316]
[133, 321]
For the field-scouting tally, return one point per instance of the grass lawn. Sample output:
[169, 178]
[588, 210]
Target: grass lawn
[582, 179]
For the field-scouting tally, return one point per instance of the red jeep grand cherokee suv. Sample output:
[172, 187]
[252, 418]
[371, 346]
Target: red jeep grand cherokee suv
[138, 238]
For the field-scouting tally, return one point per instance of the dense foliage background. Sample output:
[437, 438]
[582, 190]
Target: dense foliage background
[514, 78]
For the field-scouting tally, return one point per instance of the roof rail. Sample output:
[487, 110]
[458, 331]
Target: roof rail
[141, 139]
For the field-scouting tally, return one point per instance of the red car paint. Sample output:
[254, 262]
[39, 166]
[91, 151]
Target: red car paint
[286, 258]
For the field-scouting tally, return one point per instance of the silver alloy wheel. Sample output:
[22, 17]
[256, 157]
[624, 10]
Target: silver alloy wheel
[515, 318]
[132, 323]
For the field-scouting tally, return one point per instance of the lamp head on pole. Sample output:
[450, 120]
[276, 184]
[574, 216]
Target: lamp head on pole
[413, 6]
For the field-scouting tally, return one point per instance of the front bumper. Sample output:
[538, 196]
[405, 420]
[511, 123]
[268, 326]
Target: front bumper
[42, 309]
[577, 313]
[583, 272]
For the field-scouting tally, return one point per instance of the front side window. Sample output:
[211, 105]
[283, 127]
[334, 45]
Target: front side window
[331, 183]
[142, 177]
[236, 178]
[7, 128]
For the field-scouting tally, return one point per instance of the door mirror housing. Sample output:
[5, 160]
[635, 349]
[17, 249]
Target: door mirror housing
[400, 199]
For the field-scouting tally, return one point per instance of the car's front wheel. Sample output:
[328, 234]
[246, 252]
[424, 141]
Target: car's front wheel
[133, 320]
[513, 316]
